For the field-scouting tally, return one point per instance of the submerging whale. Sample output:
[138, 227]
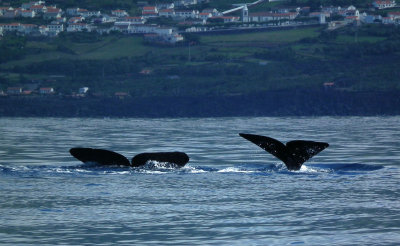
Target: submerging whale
[294, 154]
[106, 157]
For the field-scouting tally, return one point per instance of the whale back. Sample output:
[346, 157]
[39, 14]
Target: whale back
[178, 158]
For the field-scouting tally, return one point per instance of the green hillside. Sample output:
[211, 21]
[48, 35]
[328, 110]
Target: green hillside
[361, 58]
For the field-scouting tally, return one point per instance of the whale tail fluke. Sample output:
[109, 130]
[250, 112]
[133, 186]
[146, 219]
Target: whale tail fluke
[293, 154]
[100, 156]
[107, 157]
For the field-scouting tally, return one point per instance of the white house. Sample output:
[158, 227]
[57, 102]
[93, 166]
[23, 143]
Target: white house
[384, 4]
[39, 9]
[387, 20]
[44, 30]
[3, 10]
[88, 13]
[14, 90]
[268, 16]
[78, 27]
[106, 19]
[76, 19]
[46, 90]
[318, 14]
[149, 11]
[164, 30]
[142, 28]
[28, 28]
[213, 12]
[52, 13]
[394, 15]
[28, 13]
[93, 13]
[121, 28]
[225, 19]
[55, 28]
[165, 6]
[11, 27]
[205, 16]
[134, 19]
[119, 13]
[167, 12]
[11, 13]
[371, 18]
[183, 14]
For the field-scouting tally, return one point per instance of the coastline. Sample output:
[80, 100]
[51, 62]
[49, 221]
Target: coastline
[271, 103]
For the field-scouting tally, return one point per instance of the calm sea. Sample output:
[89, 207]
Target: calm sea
[230, 193]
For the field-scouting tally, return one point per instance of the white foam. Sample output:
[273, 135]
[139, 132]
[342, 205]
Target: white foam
[190, 169]
[234, 170]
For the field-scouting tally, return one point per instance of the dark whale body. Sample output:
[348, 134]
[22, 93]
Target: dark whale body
[107, 157]
[177, 158]
[293, 154]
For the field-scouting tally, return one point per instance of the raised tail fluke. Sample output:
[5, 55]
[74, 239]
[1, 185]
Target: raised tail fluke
[293, 154]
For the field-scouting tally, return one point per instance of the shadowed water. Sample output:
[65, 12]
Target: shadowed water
[230, 193]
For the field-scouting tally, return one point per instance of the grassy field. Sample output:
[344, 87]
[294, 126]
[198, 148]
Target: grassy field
[232, 45]
[354, 39]
[268, 37]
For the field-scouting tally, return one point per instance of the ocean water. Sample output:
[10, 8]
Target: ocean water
[230, 193]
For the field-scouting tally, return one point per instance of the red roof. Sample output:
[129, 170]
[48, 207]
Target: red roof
[384, 2]
[149, 8]
[53, 10]
[38, 7]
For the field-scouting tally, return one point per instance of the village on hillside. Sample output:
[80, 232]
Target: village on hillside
[185, 16]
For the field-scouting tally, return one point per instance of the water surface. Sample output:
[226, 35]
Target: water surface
[230, 193]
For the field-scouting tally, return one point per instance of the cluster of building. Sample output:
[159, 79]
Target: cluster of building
[49, 91]
[27, 91]
[12, 91]
[183, 12]
[78, 19]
